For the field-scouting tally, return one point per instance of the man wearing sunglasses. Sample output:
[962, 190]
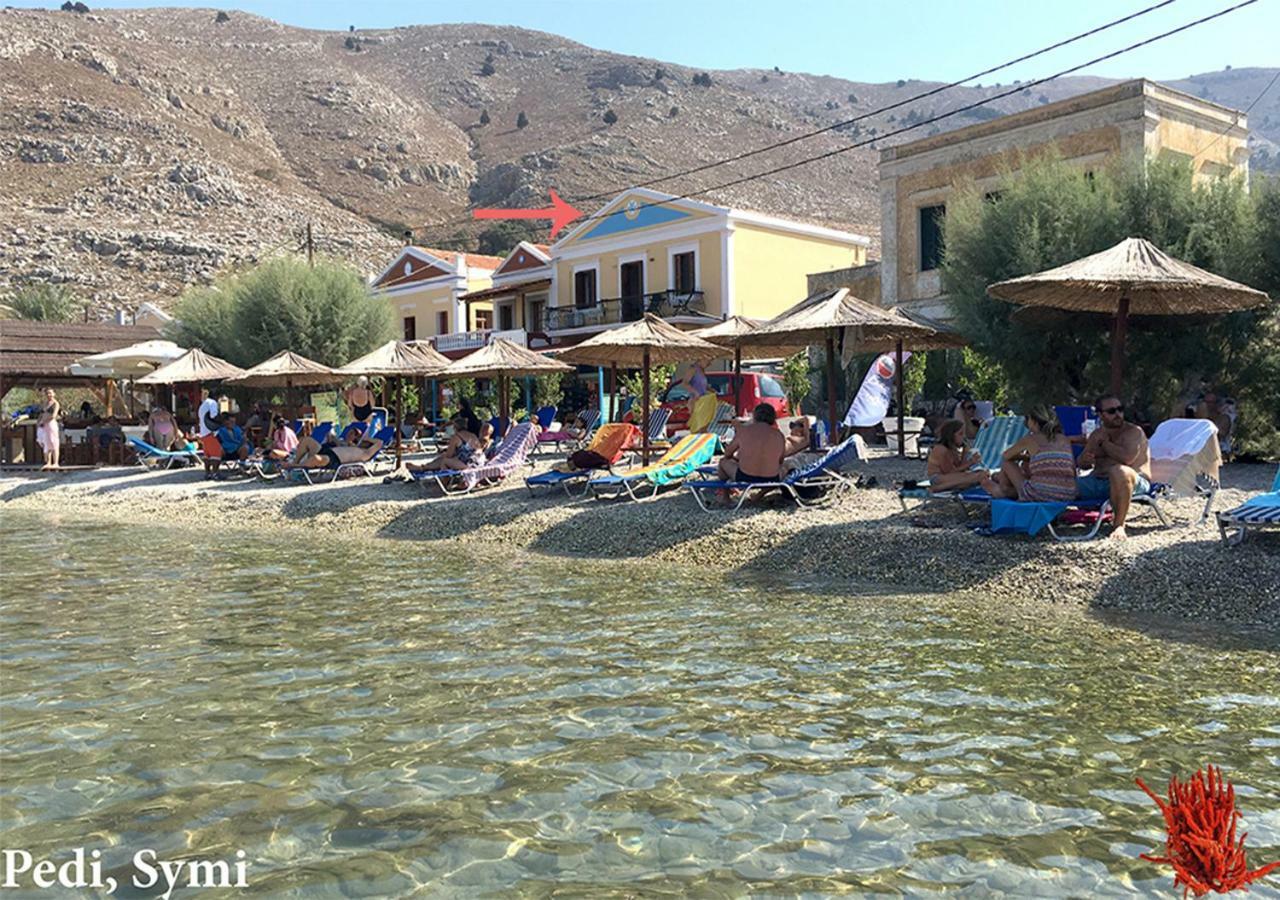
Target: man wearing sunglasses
[1121, 461]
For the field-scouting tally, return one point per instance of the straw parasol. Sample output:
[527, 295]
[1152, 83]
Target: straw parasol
[398, 360]
[820, 317]
[639, 345]
[287, 369]
[1133, 278]
[193, 366]
[729, 334]
[502, 359]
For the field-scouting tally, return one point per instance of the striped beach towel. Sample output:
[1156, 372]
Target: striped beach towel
[681, 460]
[511, 455]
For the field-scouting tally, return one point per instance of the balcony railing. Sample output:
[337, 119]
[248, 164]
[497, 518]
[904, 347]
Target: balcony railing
[665, 304]
[472, 340]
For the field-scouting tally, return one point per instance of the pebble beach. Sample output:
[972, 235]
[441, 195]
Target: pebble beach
[1183, 574]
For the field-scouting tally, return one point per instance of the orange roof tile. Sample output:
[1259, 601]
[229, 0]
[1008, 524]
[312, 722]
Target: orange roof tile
[477, 260]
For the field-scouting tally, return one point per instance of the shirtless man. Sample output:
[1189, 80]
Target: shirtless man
[1120, 459]
[755, 454]
[311, 455]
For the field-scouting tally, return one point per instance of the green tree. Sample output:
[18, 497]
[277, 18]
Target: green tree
[42, 303]
[1052, 213]
[659, 378]
[484, 117]
[795, 379]
[610, 117]
[501, 238]
[325, 313]
[548, 389]
[522, 121]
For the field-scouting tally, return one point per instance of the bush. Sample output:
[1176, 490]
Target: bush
[522, 121]
[501, 238]
[610, 117]
[221, 17]
[659, 377]
[487, 69]
[325, 313]
[484, 117]
[42, 303]
[702, 79]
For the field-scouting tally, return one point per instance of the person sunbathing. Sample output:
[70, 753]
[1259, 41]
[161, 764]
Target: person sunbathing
[950, 466]
[283, 440]
[1040, 468]
[310, 454]
[755, 454]
[463, 451]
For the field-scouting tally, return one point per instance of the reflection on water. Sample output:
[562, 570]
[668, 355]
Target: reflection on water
[375, 719]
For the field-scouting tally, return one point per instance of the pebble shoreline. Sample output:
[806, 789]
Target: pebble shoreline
[1179, 573]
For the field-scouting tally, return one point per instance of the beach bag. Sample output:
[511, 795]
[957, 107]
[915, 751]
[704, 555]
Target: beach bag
[588, 459]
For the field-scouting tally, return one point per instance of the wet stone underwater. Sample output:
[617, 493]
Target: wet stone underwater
[384, 718]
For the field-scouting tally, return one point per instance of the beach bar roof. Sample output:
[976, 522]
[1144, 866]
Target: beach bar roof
[40, 352]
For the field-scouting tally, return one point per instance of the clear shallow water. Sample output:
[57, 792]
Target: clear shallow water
[378, 720]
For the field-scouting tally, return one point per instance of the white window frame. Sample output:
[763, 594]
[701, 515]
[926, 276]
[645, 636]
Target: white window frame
[643, 259]
[676, 250]
[593, 266]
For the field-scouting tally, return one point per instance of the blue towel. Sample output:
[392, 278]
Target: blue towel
[1020, 517]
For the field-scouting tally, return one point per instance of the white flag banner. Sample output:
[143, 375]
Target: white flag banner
[872, 403]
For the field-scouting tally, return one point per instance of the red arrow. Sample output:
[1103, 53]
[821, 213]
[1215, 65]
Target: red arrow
[559, 212]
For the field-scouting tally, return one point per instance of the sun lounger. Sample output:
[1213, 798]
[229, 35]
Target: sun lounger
[1257, 513]
[994, 438]
[152, 457]
[658, 441]
[560, 437]
[364, 467]
[609, 442]
[674, 466]
[545, 416]
[513, 454]
[824, 479]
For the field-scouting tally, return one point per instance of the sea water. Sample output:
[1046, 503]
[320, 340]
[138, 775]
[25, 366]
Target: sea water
[388, 717]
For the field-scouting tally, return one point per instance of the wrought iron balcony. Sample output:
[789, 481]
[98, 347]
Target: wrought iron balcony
[666, 304]
[472, 340]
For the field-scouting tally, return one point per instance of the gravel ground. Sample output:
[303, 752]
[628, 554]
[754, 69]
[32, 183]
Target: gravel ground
[864, 541]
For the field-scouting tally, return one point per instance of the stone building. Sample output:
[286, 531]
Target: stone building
[1137, 119]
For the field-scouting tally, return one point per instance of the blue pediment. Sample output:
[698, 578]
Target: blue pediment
[633, 215]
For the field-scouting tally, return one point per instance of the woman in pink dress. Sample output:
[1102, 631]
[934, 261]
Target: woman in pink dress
[48, 430]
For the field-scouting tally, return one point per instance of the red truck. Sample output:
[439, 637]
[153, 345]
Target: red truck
[756, 388]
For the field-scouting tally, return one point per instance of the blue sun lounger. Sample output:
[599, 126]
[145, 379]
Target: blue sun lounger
[824, 477]
[1260, 512]
[674, 466]
[152, 457]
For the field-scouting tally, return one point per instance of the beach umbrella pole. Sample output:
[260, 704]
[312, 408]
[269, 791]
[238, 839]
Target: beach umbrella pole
[399, 416]
[831, 382]
[902, 425]
[737, 380]
[1119, 334]
[644, 437]
[613, 399]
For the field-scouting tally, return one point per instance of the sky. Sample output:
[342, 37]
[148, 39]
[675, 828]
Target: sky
[938, 40]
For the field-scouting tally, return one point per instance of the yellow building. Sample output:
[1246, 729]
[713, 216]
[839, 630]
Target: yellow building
[1136, 120]
[521, 288]
[425, 288]
[684, 260]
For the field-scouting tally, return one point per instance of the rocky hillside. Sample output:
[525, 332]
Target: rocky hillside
[142, 151]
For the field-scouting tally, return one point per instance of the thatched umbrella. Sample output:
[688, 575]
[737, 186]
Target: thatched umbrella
[398, 360]
[502, 359]
[640, 344]
[193, 366]
[287, 369]
[820, 317]
[1133, 278]
[729, 334]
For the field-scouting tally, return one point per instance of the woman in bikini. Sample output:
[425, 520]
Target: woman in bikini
[950, 464]
[463, 451]
[1039, 468]
[360, 400]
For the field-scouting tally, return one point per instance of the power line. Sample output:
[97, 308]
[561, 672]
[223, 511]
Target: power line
[848, 122]
[884, 109]
[929, 121]
[1248, 109]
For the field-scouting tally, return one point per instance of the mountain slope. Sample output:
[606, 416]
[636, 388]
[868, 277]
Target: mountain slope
[142, 151]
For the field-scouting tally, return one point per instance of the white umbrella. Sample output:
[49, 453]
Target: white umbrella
[127, 362]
